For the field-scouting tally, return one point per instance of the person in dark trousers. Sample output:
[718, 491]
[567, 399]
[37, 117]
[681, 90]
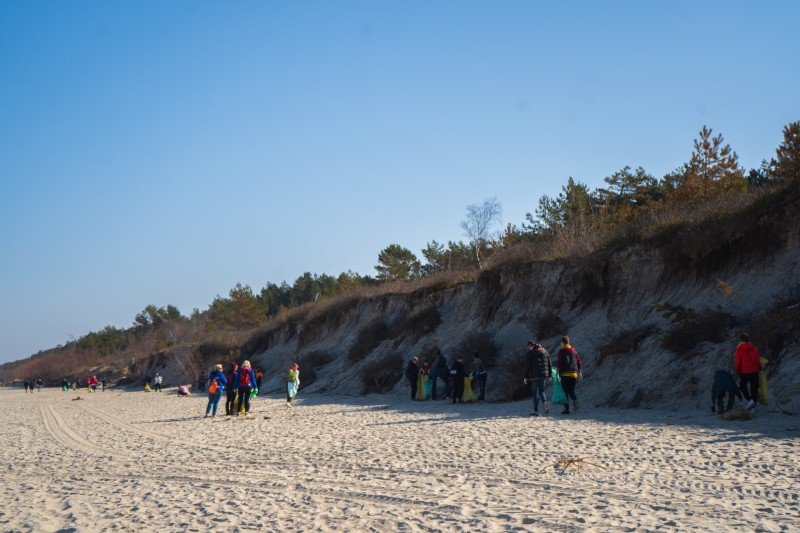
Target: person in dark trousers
[26, 385]
[569, 367]
[457, 375]
[537, 372]
[479, 375]
[723, 384]
[440, 371]
[747, 361]
[412, 374]
[245, 382]
[259, 378]
[39, 383]
[103, 384]
[230, 391]
[217, 381]
[201, 383]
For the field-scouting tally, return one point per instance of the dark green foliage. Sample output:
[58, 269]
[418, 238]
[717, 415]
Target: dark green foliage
[481, 342]
[397, 263]
[785, 166]
[381, 376]
[624, 341]
[454, 256]
[367, 340]
[573, 203]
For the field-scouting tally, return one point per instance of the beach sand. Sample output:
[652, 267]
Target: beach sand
[141, 461]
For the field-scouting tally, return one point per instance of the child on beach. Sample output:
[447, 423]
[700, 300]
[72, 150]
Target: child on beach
[292, 383]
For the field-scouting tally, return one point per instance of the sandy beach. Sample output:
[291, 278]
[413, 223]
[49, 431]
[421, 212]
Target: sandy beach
[144, 461]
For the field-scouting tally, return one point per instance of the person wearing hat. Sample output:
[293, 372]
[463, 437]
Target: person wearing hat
[216, 383]
[245, 382]
[292, 383]
[537, 371]
[479, 375]
[412, 375]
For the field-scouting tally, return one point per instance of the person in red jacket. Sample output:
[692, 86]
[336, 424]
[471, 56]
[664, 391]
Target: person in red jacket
[747, 362]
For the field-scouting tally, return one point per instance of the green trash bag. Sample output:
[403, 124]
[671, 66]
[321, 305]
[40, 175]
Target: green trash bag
[559, 397]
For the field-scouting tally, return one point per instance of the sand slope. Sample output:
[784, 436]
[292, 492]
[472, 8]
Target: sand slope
[132, 461]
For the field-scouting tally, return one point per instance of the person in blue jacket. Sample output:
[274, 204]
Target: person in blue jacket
[723, 384]
[245, 382]
[216, 384]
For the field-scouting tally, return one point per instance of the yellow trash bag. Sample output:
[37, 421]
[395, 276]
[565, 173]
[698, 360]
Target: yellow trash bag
[147, 388]
[421, 380]
[763, 394]
[468, 396]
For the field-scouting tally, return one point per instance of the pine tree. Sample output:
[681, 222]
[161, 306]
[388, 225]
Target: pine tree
[785, 166]
[397, 263]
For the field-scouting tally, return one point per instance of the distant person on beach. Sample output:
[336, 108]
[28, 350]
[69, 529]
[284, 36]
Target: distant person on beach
[412, 375]
[440, 371]
[537, 372]
[479, 375]
[147, 384]
[292, 383]
[26, 385]
[39, 384]
[157, 380]
[183, 390]
[230, 390]
[201, 383]
[64, 385]
[245, 383]
[723, 384]
[747, 362]
[457, 375]
[259, 378]
[103, 384]
[569, 367]
[93, 381]
[216, 384]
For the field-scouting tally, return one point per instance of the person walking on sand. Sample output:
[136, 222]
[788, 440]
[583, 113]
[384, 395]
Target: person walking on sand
[216, 384]
[537, 373]
[103, 384]
[412, 375]
[201, 382]
[440, 371]
[244, 382]
[479, 375]
[457, 375]
[292, 383]
[747, 362]
[39, 383]
[26, 385]
[569, 367]
[230, 390]
[157, 381]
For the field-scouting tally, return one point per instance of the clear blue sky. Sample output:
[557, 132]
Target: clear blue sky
[160, 152]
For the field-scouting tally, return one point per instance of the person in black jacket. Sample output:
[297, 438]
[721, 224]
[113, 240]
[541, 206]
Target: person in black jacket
[412, 374]
[440, 371]
[723, 384]
[537, 373]
[457, 374]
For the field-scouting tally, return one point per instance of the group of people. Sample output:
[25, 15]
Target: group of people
[156, 381]
[240, 384]
[460, 386]
[748, 364]
[34, 383]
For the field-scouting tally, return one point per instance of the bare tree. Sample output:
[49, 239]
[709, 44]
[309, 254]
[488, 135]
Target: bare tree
[480, 218]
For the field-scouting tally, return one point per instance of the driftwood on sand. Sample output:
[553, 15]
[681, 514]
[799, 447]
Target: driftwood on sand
[576, 462]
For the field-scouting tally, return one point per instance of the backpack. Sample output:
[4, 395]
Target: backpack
[244, 378]
[212, 389]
